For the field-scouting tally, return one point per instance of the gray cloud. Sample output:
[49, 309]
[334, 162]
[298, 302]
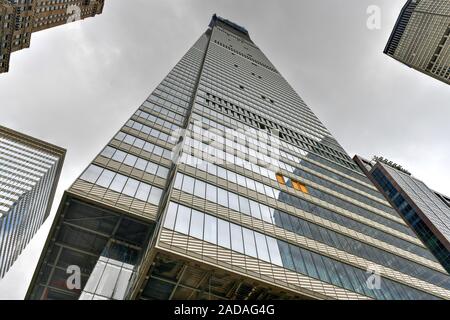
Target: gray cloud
[78, 83]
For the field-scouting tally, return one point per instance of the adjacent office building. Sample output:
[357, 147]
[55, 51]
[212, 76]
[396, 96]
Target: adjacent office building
[225, 185]
[20, 18]
[29, 173]
[425, 210]
[421, 38]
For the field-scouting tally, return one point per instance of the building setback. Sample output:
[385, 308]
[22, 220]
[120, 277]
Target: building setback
[225, 185]
[20, 18]
[425, 210]
[29, 173]
[421, 38]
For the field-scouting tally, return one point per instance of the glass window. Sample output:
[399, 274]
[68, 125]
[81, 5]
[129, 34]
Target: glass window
[105, 178]
[266, 214]
[137, 126]
[212, 169]
[274, 251]
[162, 172]
[108, 280]
[141, 164]
[285, 221]
[178, 181]
[167, 154]
[158, 150]
[298, 260]
[155, 196]
[310, 268]
[249, 243]
[211, 193]
[233, 201]
[296, 226]
[143, 191]
[334, 277]
[130, 160]
[306, 229]
[231, 176]
[222, 197]
[241, 181]
[222, 173]
[91, 174]
[119, 156]
[250, 184]
[261, 246]
[340, 267]
[237, 243]
[148, 147]
[131, 187]
[196, 229]
[210, 229]
[244, 205]
[171, 216]
[260, 188]
[224, 234]
[320, 266]
[254, 210]
[118, 183]
[129, 139]
[151, 168]
[188, 184]
[269, 191]
[139, 143]
[200, 189]
[280, 179]
[183, 219]
[277, 219]
[108, 152]
[120, 136]
[286, 256]
[154, 133]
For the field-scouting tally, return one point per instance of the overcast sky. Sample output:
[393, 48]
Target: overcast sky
[78, 84]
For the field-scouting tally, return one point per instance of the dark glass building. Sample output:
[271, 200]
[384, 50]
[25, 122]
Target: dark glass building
[426, 211]
[225, 185]
[421, 38]
[29, 173]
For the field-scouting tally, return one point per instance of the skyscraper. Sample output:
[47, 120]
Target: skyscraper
[29, 173]
[20, 18]
[225, 185]
[425, 210]
[421, 38]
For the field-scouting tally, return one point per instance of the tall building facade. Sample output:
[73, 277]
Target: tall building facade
[421, 38]
[29, 173]
[425, 210]
[225, 185]
[20, 18]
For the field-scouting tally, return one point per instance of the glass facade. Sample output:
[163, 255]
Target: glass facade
[245, 195]
[29, 172]
[421, 38]
[421, 207]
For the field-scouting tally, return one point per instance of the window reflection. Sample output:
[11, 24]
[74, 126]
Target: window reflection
[138, 163]
[243, 240]
[122, 184]
[322, 234]
[224, 233]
